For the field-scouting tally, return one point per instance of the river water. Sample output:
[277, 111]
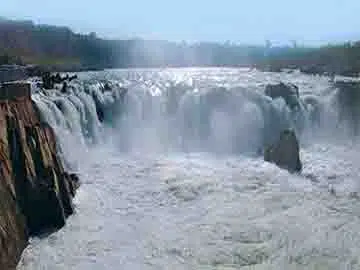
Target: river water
[172, 178]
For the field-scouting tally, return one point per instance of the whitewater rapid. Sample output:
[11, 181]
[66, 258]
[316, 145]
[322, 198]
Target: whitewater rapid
[173, 179]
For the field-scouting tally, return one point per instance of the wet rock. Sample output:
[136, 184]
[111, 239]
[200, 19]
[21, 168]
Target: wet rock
[285, 152]
[75, 181]
[47, 81]
[74, 77]
[289, 92]
[64, 88]
[348, 101]
[107, 87]
[35, 191]
[42, 197]
[100, 111]
[57, 78]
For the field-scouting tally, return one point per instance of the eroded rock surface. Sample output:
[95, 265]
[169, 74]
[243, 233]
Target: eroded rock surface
[35, 191]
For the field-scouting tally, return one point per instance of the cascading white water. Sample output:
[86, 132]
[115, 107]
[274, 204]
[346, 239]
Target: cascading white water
[159, 113]
[173, 177]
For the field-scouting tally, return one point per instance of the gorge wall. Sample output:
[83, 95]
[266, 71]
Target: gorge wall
[35, 190]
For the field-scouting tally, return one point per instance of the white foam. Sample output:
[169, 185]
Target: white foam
[159, 207]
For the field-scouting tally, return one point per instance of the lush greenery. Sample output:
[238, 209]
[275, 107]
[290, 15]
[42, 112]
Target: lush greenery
[23, 42]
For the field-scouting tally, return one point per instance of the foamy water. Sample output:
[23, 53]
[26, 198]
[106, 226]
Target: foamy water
[180, 203]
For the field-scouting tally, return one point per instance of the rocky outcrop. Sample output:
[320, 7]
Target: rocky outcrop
[285, 153]
[289, 92]
[348, 101]
[49, 80]
[12, 73]
[105, 112]
[35, 190]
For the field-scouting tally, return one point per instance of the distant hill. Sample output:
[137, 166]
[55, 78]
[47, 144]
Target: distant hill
[23, 42]
[26, 42]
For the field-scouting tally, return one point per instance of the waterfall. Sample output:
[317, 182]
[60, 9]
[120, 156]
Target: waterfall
[157, 113]
[177, 153]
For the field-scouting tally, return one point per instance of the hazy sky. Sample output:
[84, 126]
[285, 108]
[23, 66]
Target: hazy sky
[250, 21]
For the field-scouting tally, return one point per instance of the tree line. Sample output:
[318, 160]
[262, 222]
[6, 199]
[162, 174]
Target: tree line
[23, 42]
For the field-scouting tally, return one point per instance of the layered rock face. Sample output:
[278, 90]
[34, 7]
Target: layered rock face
[35, 191]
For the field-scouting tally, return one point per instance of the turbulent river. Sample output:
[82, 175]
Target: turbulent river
[173, 176]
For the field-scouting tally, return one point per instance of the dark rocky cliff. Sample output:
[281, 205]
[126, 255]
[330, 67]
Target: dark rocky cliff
[35, 190]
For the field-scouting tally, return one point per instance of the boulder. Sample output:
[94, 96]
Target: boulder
[289, 92]
[107, 87]
[348, 102]
[285, 152]
[57, 78]
[74, 77]
[64, 88]
[47, 80]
